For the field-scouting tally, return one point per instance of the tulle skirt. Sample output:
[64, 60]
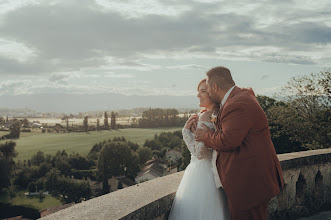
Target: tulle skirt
[197, 196]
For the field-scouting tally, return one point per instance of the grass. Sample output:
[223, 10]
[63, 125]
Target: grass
[30, 201]
[2, 133]
[31, 142]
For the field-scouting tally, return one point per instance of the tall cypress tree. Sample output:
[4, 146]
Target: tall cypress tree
[113, 120]
[106, 121]
[85, 122]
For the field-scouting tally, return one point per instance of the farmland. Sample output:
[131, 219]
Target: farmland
[80, 142]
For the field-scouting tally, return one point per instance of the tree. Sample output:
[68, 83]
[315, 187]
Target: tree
[2, 120]
[306, 117]
[61, 162]
[160, 118]
[114, 157]
[266, 102]
[4, 173]
[67, 189]
[7, 153]
[15, 131]
[98, 124]
[95, 151]
[25, 123]
[11, 190]
[106, 123]
[113, 120]
[153, 144]
[38, 158]
[85, 123]
[144, 154]
[67, 122]
[78, 162]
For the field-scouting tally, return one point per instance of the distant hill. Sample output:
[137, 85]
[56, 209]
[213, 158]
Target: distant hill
[74, 103]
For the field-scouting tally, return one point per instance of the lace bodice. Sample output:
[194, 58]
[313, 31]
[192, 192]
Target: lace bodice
[198, 149]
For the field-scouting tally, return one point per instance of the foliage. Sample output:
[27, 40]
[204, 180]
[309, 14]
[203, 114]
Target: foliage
[11, 190]
[114, 157]
[8, 211]
[113, 120]
[38, 158]
[84, 174]
[14, 131]
[98, 124]
[169, 139]
[40, 165]
[306, 117]
[161, 118]
[67, 189]
[302, 120]
[7, 155]
[144, 154]
[85, 123]
[105, 121]
[153, 144]
[25, 123]
[4, 173]
[95, 151]
[78, 162]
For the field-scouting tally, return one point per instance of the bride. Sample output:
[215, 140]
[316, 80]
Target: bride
[198, 195]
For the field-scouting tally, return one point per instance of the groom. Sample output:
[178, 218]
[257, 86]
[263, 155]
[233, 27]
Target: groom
[247, 164]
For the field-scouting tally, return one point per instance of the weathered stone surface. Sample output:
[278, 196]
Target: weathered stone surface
[147, 200]
[307, 177]
[307, 191]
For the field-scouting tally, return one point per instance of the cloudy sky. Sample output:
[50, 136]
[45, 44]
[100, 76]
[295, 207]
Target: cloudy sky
[158, 47]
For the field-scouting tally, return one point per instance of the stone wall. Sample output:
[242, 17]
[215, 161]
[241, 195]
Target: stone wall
[307, 177]
[307, 190]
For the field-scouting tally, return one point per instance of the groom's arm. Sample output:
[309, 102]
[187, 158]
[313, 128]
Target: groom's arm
[235, 127]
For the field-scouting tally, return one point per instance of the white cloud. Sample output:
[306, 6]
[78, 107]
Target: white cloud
[139, 8]
[16, 50]
[11, 5]
[72, 44]
[188, 66]
[268, 91]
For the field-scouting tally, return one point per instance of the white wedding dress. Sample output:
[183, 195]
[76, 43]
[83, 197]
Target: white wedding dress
[197, 196]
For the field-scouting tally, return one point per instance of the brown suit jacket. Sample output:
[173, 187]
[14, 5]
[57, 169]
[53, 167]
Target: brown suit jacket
[247, 163]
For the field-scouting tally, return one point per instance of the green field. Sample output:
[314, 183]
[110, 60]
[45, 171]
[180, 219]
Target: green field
[30, 201]
[82, 142]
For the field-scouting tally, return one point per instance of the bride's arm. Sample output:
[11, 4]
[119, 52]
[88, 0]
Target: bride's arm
[198, 149]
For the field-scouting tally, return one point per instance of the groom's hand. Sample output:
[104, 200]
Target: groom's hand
[200, 132]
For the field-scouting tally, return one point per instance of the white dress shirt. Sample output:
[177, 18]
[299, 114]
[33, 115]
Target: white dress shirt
[227, 95]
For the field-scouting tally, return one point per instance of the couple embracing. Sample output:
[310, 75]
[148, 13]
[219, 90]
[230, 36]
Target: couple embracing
[234, 170]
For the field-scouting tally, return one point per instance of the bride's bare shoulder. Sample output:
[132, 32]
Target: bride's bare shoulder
[205, 116]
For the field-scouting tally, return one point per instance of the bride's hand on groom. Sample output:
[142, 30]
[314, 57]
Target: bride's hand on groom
[191, 123]
[200, 132]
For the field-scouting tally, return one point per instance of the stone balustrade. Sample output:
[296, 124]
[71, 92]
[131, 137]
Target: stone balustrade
[307, 177]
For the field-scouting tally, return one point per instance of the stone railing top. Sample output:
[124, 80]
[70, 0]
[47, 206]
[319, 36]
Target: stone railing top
[302, 158]
[122, 203]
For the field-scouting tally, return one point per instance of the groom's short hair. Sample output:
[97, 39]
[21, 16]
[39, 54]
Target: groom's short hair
[221, 76]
